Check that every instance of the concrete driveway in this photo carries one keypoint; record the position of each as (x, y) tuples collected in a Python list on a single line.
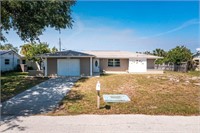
[(42, 98)]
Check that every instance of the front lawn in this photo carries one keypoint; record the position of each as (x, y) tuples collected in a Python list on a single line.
[(13, 83), (168, 94)]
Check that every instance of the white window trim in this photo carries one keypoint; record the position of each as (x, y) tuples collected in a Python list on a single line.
[(113, 61)]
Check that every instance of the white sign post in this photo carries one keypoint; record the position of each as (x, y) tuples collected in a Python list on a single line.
[(98, 88)]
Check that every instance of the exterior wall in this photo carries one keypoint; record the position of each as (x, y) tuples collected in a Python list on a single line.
[(32, 64), (123, 65), (150, 63), (51, 67), (13, 57), (85, 66)]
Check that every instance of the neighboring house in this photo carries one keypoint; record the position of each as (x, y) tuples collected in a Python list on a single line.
[(29, 64), (9, 60), (196, 58), (87, 63)]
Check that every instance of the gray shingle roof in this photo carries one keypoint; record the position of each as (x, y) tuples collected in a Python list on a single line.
[(4, 51), (68, 53)]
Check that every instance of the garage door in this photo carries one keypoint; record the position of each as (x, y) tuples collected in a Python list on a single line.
[(68, 67)]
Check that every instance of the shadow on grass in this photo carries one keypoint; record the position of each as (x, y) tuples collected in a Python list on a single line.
[(14, 85), (11, 73), (108, 107), (104, 74), (72, 96), (81, 80)]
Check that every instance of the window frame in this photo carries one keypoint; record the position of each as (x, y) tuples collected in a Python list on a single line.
[(114, 63), (7, 61)]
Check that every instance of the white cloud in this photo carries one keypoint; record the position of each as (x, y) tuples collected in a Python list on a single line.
[(184, 25), (89, 35)]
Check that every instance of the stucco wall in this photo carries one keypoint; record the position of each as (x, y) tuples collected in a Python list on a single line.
[(85, 66), (51, 66), (123, 65), (12, 61), (150, 63)]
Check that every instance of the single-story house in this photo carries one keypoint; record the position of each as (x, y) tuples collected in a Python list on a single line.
[(87, 63), (9, 60), (33, 65)]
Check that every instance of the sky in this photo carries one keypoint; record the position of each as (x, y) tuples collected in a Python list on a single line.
[(127, 26)]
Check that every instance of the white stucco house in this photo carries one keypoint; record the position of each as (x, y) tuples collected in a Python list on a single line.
[(9, 60)]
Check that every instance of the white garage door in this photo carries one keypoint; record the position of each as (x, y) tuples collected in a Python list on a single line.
[(68, 67), (137, 65)]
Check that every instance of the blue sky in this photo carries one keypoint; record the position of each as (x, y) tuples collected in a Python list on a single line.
[(128, 26)]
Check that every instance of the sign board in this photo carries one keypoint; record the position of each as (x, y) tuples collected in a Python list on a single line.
[(98, 88), (116, 98)]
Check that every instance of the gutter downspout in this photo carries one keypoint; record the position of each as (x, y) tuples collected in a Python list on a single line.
[(45, 67), (90, 66)]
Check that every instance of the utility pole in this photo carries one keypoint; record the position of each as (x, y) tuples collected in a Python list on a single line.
[(59, 42)]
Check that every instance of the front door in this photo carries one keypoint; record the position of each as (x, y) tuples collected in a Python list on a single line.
[(96, 65)]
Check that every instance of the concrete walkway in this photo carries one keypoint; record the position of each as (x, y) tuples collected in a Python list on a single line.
[(101, 124), (39, 99)]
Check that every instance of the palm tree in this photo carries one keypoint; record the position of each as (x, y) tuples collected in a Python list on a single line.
[(159, 52)]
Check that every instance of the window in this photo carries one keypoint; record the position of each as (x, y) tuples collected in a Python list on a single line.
[(96, 63), (114, 62), (23, 61), (7, 61)]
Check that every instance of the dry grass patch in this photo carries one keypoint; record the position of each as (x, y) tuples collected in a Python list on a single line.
[(167, 94)]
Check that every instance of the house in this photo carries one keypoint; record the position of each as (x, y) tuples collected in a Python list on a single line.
[(9, 60), (196, 58), (87, 63), (30, 64)]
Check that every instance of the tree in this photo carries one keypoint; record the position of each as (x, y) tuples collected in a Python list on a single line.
[(31, 50), (54, 49), (179, 54), (30, 18), (147, 52), (8, 46), (161, 53)]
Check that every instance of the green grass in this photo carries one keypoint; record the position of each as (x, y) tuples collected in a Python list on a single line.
[(194, 73), (149, 94), (13, 83)]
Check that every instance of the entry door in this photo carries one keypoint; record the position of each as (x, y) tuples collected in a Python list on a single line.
[(68, 67), (96, 65)]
